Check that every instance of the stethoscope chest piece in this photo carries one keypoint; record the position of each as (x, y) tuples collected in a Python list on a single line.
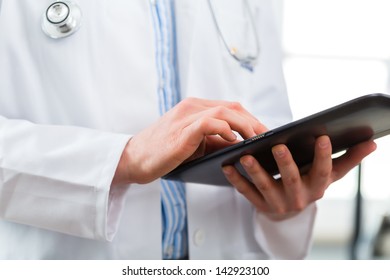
[(61, 19)]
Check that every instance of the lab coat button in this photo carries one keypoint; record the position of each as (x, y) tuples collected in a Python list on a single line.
[(168, 252), (199, 237)]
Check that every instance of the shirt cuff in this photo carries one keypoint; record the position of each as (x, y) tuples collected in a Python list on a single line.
[(287, 239)]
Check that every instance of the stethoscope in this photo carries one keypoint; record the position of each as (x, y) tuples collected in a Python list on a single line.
[(246, 60), (63, 18)]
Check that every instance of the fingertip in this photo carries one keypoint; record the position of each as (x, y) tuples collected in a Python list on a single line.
[(279, 151), (260, 128), (227, 170), (229, 136), (323, 142), (369, 146), (232, 137), (373, 145), (247, 161)]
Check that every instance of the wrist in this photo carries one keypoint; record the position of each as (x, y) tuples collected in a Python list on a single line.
[(121, 175)]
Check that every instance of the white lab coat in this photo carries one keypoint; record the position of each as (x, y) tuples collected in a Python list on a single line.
[(68, 107)]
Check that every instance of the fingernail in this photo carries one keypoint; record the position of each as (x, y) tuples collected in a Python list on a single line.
[(233, 136), (279, 151), (247, 162), (323, 144), (227, 170)]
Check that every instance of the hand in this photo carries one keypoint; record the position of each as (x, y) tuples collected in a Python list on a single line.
[(292, 192), (190, 129)]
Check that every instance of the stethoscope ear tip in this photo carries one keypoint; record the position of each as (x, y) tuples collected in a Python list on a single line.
[(61, 19)]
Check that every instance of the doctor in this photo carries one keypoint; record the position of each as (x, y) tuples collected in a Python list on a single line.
[(85, 137)]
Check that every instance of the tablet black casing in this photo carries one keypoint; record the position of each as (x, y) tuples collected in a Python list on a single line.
[(347, 124)]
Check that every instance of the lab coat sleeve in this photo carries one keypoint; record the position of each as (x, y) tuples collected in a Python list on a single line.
[(287, 239), (58, 178)]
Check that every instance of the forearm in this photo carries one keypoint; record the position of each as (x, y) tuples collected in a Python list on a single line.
[(56, 177)]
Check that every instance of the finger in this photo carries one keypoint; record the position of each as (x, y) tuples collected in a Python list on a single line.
[(190, 138), (320, 172), (198, 130), (193, 105), (245, 126), (211, 144), (207, 103), (257, 125), (351, 158), (264, 183), (289, 173), (244, 187), (214, 143)]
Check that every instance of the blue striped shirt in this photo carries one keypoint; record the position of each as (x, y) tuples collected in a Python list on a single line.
[(173, 201)]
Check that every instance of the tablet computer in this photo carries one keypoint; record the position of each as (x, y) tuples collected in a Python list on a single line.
[(347, 124)]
